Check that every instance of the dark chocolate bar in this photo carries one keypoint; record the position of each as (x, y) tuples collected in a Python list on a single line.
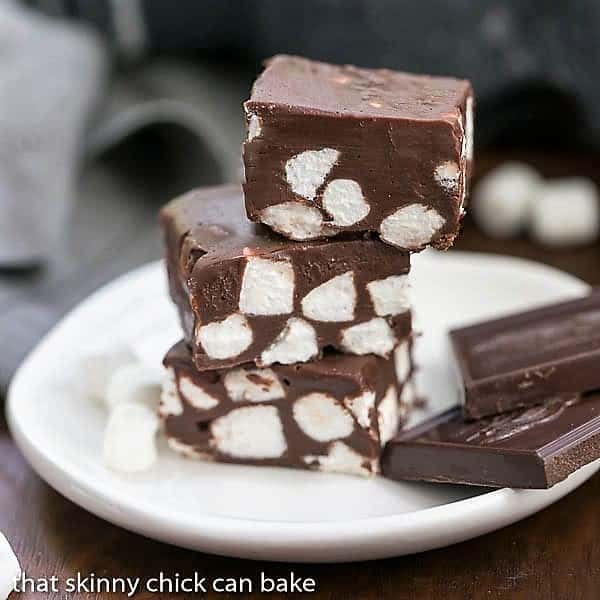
[(333, 149), (245, 294), (334, 414), (524, 358), (529, 448)]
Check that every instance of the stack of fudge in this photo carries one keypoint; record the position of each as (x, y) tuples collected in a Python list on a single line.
[(292, 292)]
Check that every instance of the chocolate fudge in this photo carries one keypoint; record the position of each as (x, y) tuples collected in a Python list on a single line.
[(522, 359), (534, 447), (335, 414), (245, 294), (332, 149)]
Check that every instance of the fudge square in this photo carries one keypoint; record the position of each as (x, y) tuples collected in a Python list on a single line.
[(335, 414), (245, 294), (337, 148)]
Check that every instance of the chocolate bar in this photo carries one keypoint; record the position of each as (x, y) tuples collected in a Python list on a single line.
[(245, 294), (335, 414), (534, 447), (524, 358), (334, 149)]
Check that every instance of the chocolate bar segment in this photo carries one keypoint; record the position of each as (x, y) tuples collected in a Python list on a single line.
[(529, 448), (245, 294), (524, 358), (334, 149), (335, 414)]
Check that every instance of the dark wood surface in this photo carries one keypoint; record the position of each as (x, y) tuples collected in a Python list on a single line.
[(554, 554)]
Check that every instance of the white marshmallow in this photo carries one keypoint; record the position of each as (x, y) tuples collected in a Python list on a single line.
[(343, 459), (566, 212), (372, 337), (361, 407), (469, 128), (390, 295), (296, 343), (187, 450), (134, 383), (307, 171), (388, 416), (267, 287), (250, 432), (226, 338), (253, 385), (10, 570), (334, 300), (503, 199), (95, 370), (402, 361), (411, 227), (344, 201), (254, 127), (322, 418), (130, 438), (170, 402), (294, 220), (195, 395), (447, 175)]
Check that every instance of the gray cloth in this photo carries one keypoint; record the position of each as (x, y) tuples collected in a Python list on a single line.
[(162, 129)]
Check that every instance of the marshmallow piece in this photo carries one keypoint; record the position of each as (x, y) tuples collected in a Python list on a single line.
[(402, 362), (343, 459), (226, 338), (566, 212), (447, 175), (130, 438), (469, 128), (134, 382), (170, 402), (195, 396), (296, 343), (253, 385), (361, 407), (307, 171), (322, 418), (95, 370), (10, 570), (294, 220), (267, 287), (388, 417), (390, 295), (411, 227), (254, 127), (334, 300), (344, 201), (372, 337), (503, 199), (250, 432)]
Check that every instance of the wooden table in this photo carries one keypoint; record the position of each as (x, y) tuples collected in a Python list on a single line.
[(554, 554)]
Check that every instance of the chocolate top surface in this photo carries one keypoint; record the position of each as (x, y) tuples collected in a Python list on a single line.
[(313, 87)]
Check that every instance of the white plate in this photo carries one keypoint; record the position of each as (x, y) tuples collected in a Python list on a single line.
[(273, 514)]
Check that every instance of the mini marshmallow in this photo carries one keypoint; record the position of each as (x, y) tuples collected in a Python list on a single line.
[(334, 300), (10, 570), (322, 418), (566, 212), (390, 295), (361, 407), (267, 287), (294, 220), (253, 385), (447, 175), (469, 128), (95, 370), (503, 199), (130, 438), (196, 396), (226, 338), (170, 402), (344, 201), (372, 337), (296, 343), (134, 382), (307, 171), (250, 432), (254, 127), (388, 417), (402, 361), (342, 459), (411, 227)]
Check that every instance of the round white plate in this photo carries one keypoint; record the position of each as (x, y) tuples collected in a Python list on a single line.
[(268, 513)]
